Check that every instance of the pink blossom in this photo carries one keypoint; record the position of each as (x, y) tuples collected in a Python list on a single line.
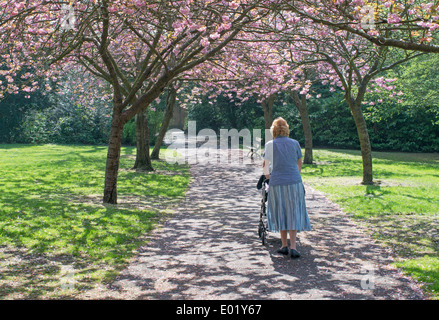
[(309, 10), (227, 26), (434, 26), (373, 32), (194, 27), (215, 36), (19, 6), (234, 5), (424, 24), (204, 42), (393, 18), (293, 20), (177, 25), (185, 11)]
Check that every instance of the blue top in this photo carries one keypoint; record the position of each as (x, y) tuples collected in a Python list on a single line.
[(283, 154)]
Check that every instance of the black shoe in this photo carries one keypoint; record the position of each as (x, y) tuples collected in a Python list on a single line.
[(283, 250), (294, 254)]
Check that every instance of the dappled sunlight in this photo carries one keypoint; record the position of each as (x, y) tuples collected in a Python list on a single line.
[(210, 249), (52, 218)]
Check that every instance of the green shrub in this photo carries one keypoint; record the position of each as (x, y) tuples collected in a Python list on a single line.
[(79, 125), (36, 128)]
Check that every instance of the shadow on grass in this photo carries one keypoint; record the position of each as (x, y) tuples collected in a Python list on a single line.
[(405, 168), (46, 234), (52, 216), (46, 225), (409, 235), (330, 169), (415, 241)]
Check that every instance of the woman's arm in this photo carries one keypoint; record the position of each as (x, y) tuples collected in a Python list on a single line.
[(265, 166), (299, 164)]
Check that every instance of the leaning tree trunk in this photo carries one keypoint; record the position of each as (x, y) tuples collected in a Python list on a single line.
[(143, 160), (170, 103), (113, 157), (267, 106), (363, 135), (306, 124)]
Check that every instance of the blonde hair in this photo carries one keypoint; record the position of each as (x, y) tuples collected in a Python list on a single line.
[(280, 128)]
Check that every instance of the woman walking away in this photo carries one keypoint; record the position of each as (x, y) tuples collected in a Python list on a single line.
[(286, 208)]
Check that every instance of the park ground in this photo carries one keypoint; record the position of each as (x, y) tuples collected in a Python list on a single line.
[(59, 241)]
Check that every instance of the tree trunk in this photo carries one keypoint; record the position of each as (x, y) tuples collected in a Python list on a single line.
[(119, 119), (143, 160), (267, 106), (113, 157), (170, 103), (363, 135), (306, 124)]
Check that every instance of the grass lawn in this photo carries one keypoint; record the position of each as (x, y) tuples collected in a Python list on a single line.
[(56, 236), (401, 210)]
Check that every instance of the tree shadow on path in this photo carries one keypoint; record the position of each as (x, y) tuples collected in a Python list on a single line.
[(210, 250)]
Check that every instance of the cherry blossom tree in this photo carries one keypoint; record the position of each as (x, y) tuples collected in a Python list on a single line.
[(261, 67), (254, 70), (339, 58), (136, 47), (405, 24), (171, 99), (347, 61)]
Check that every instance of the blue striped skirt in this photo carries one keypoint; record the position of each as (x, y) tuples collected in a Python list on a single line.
[(286, 208)]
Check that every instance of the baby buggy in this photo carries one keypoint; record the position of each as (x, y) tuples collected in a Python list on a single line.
[(262, 229)]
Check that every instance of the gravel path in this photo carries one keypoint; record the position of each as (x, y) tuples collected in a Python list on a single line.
[(209, 249)]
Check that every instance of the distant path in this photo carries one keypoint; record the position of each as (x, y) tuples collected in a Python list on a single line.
[(209, 249)]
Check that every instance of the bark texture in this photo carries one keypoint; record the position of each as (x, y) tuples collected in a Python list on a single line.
[(306, 124), (143, 160), (172, 97)]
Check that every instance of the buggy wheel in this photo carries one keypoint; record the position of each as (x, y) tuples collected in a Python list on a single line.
[(263, 237)]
